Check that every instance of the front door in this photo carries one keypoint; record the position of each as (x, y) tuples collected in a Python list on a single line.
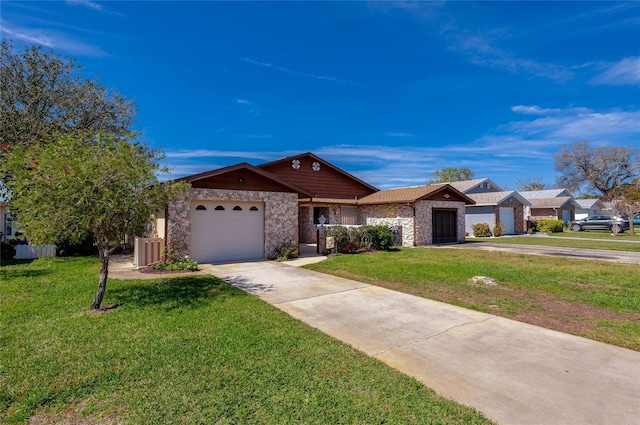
[(445, 226)]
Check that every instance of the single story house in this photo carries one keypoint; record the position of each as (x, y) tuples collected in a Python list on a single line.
[(557, 204), (589, 207), (246, 212), (492, 206)]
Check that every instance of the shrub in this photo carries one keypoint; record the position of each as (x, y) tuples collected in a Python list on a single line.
[(173, 260), (550, 226), (481, 230), (349, 240), (286, 251), (185, 264), (498, 230)]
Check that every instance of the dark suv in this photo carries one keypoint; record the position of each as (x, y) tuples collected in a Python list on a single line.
[(600, 222)]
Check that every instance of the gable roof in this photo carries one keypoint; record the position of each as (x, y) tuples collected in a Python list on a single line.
[(465, 186), (288, 159), (591, 203), (547, 193), (558, 202), (494, 198), (411, 194), (244, 166)]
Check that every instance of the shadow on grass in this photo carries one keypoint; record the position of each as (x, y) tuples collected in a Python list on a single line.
[(8, 272), (173, 293)]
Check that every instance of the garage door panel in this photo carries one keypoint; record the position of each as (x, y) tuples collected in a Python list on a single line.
[(227, 231), (507, 219)]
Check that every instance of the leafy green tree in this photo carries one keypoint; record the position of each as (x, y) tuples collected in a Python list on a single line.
[(604, 169), (451, 174), (86, 183), (41, 96)]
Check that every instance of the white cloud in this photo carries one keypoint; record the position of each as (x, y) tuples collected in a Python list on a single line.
[(480, 49), (51, 39), (624, 72), (400, 135), (87, 3), (298, 73)]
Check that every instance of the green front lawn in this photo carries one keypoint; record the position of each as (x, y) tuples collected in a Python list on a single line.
[(190, 349), (596, 299)]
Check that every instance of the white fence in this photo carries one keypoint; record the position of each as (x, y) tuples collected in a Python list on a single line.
[(28, 252), (147, 251)]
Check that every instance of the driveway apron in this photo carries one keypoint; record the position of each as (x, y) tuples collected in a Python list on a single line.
[(513, 372)]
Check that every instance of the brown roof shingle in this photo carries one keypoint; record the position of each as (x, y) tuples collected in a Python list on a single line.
[(400, 195)]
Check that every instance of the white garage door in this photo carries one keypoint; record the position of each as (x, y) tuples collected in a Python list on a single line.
[(507, 219), (478, 215), (226, 231)]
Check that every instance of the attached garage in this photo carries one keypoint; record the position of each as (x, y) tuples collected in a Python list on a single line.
[(507, 219), (227, 231)]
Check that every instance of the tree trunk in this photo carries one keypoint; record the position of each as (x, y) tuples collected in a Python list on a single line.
[(102, 283)]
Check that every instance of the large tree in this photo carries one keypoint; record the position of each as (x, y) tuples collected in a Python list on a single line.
[(42, 95), (451, 174), (604, 168), (85, 183)]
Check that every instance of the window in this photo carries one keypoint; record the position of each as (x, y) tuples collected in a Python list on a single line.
[(253, 209), (237, 208), (219, 208), (201, 208), (348, 215)]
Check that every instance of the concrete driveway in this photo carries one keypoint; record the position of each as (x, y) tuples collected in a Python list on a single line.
[(513, 372)]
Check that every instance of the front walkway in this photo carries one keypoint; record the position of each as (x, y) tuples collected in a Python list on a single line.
[(513, 372)]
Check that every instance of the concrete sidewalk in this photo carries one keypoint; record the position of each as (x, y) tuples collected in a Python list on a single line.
[(513, 372)]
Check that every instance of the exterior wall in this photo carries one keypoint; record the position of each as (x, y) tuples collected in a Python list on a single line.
[(518, 214), (390, 215), (305, 224), (280, 216), (424, 220), (550, 213)]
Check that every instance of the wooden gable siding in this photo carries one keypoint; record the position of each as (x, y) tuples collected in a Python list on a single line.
[(439, 196), (240, 180), (325, 183)]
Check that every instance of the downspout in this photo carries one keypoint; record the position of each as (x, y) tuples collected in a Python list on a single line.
[(556, 210)]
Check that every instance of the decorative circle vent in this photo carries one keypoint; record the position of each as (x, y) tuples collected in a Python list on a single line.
[(295, 164), (315, 166)]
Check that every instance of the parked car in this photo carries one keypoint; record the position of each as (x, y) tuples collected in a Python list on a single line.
[(636, 219), (600, 222)]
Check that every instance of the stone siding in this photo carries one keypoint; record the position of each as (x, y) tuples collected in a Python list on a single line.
[(390, 215), (424, 220), (280, 216)]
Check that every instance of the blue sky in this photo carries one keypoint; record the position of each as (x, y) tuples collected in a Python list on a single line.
[(389, 91)]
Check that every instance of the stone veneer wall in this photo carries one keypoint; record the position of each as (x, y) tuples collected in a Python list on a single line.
[(280, 216), (424, 220), (389, 215)]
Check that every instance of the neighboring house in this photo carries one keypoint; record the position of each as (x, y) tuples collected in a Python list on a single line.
[(589, 207), (427, 215), (492, 206), (246, 212), (7, 228), (556, 204)]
